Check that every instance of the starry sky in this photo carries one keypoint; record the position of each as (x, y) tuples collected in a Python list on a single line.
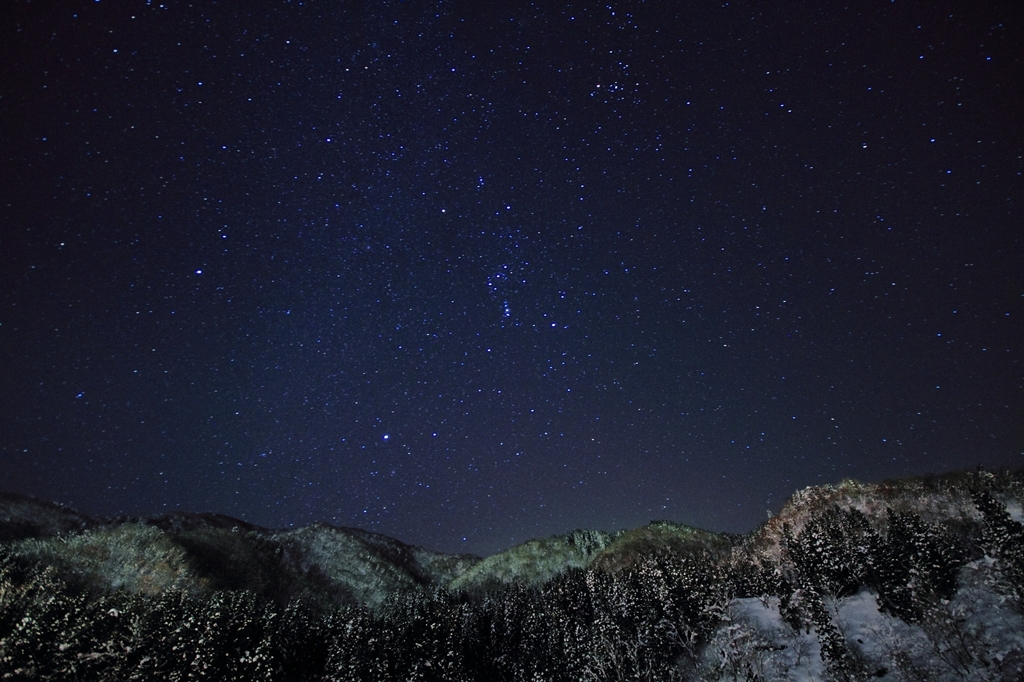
[(467, 273)]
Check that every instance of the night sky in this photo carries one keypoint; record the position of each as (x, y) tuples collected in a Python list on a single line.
[(471, 273)]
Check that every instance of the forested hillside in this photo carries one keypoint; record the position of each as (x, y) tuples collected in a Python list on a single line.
[(914, 579)]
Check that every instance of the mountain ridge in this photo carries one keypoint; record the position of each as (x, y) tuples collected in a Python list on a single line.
[(203, 552), (906, 579)]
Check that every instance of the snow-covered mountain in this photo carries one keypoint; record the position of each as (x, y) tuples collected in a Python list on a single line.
[(913, 579)]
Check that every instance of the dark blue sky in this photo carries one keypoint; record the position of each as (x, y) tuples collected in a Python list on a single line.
[(470, 273)]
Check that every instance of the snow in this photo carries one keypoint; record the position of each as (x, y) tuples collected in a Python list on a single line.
[(977, 635), (756, 643), (1015, 510)]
